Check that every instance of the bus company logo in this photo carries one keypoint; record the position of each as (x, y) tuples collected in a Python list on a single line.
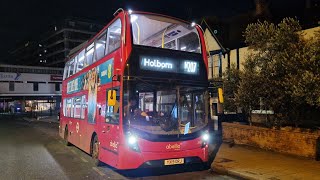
[(114, 144), (173, 146), (156, 63)]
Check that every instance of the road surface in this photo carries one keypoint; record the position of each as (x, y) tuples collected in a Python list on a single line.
[(33, 150)]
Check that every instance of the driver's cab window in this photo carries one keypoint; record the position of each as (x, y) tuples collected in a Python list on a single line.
[(146, 101), (166, 101), (112, 112), (186, 108), (199, 109)]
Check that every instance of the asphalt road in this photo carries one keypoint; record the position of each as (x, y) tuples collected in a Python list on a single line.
[(33, 150)]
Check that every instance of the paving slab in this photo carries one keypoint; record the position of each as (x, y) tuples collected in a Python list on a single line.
[(253, 163)]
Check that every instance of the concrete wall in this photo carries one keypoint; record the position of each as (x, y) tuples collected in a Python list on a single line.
[(289, 141)]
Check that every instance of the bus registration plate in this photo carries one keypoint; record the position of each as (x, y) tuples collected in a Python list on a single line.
[(173, 161)]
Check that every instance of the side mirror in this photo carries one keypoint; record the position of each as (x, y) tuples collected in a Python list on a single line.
[(116, 78), (111, 97)]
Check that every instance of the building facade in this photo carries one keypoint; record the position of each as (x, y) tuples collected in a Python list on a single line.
[(220, 60), (52, 48), (30, 88)]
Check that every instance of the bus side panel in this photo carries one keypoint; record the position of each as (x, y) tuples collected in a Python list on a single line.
[(110, 145), (71, 129), (86, 140), (81, 132), (107, 132)]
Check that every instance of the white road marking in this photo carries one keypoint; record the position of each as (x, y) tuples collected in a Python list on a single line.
[(83, 159), (98, 171), (74, 152)]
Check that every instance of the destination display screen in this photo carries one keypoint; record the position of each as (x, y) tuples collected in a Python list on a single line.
[(163, 64)]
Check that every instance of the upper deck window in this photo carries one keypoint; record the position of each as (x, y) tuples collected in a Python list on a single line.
[(114, 36), (107, 42), (162, 32)]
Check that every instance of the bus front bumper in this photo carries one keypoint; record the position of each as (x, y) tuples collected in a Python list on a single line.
[(133, 160)]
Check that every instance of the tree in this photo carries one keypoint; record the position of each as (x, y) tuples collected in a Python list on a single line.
[(283, 71), (231, 79)]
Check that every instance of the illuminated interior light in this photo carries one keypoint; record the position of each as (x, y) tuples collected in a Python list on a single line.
[(130, 11), (118, 31), (193, 24), (90, 51), (183, 48), (82, 57), (98, 46), (133, 18)]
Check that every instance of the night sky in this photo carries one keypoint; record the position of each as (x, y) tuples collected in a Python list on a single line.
[(23, 20)]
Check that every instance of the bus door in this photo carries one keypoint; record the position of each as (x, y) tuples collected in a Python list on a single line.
[(81, 125), (77, 121), (110, 126), (71, 125)]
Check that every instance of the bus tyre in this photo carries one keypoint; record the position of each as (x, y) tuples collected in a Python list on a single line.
[(65, 137), (95, 151)]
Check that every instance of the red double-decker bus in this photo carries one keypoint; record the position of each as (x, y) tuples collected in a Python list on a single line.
[(136, 94)]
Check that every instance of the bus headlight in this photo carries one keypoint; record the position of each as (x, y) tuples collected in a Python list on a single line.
[(205, 139), (133, 143), (132, 140)]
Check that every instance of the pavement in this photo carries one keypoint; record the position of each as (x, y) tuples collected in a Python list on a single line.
[(253, 163)]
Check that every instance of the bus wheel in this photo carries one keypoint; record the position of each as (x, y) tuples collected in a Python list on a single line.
[(95, 151), (65, 137)]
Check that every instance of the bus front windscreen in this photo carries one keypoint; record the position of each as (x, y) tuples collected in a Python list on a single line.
[(163, 32), (165, 111)]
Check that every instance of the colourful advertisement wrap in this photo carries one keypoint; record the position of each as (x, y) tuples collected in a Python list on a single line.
[(104, 71), (75, 85), (90, 81)]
